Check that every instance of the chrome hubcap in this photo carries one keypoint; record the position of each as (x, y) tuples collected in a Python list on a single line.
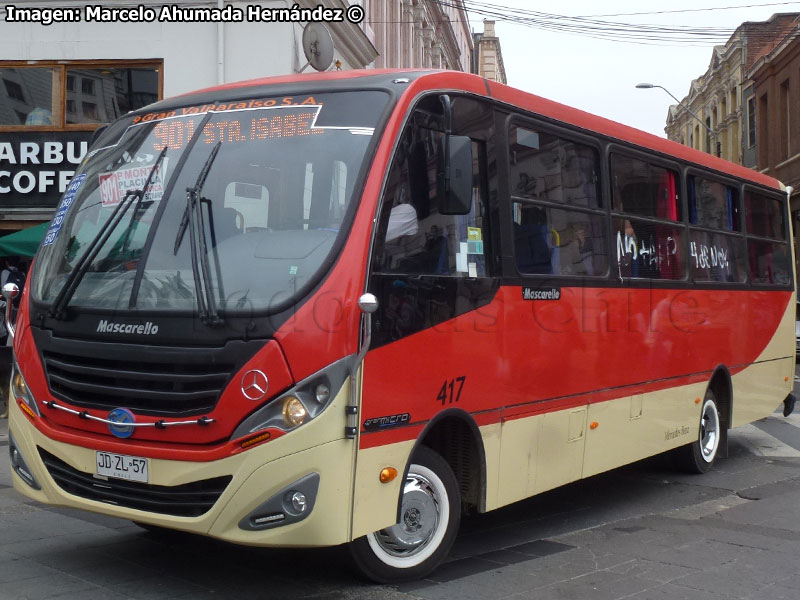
[(709, 431), (419, 518)]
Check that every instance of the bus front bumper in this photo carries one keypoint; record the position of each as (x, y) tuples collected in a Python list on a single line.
[(280, 493)]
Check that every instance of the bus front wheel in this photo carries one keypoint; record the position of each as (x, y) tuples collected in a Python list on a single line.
[(698, 457), (429, 517)]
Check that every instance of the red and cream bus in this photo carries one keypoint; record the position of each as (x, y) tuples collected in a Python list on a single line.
[(342, 308)]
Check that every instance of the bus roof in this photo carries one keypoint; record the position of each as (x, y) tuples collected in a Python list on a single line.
[(421, 79)]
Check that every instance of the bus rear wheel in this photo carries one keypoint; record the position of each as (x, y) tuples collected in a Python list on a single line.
[(429, 520), (699, 456)]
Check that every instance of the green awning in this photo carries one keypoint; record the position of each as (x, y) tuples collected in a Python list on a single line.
[(23, 243)]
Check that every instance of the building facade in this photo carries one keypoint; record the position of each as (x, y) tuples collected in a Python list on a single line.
[(60, 81), (420, 34), (721, 99), (775, 76), (488, 55)]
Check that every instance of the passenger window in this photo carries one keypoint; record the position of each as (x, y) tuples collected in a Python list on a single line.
[(713, 204), (558, 226), (549, 168), (764, 216), (649, 250), (560, 242), (643, 189), (717, 257)]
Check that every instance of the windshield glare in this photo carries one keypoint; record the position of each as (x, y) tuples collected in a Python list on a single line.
[(271, 205)]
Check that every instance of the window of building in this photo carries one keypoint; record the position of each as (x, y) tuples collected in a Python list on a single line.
[(751, 122), (784, 122), (79, 93), (26, 96), (763, 129), (559, 228), (113, 91)]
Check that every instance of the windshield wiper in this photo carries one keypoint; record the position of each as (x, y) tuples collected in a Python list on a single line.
[(106, 229), (140, 200), (193, 221)]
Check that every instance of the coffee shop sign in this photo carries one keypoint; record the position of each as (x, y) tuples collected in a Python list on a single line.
[(40, 167)]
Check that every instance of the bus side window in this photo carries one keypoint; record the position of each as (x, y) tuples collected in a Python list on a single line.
[(648, 235), (558, 222)]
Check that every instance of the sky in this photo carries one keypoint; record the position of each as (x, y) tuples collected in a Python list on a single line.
[(599, 75)]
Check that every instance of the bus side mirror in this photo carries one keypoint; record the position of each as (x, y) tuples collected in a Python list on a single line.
[(454, 175)]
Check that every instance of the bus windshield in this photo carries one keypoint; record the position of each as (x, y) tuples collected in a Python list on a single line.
[(231, 205)]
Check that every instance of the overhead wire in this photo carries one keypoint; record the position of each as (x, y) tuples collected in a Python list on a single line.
[(601, 28)]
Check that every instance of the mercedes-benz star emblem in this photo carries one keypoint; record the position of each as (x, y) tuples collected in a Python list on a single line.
[(255, 385)]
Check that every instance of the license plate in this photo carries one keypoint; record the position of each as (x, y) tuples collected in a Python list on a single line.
[(121, 466)]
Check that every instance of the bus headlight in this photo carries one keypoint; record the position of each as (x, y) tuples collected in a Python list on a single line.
[(298, 405), (294, 413), (20, 390)]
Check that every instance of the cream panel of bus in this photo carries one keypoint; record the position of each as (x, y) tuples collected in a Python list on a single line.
[(760, 388), (258, 473), (635, 427), (375, 503), (540, 453)]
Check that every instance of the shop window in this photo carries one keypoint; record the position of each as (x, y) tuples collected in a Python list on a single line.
[(26, 96), (113, 91), (73, 94)]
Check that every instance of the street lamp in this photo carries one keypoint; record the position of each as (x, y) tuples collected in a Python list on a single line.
[(647, 86)]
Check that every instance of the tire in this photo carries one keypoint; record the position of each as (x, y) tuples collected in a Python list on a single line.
[(430, 515), (698, 457)]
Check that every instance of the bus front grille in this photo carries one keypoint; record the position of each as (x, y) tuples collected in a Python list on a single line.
[(165, 381), (187, 500), (159, 388)]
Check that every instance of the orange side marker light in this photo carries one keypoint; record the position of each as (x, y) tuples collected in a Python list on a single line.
[(388, 474), (26, 409), (594, 425), (786, 379), (255, 440), (697, 400)]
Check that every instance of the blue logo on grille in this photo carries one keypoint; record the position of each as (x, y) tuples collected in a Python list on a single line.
[(121, 417)]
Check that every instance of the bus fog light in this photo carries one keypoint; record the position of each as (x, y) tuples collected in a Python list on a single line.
[(299, 503), (19, 465), (294, 413), (322, 393)]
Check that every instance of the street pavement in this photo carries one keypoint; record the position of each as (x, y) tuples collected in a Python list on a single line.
[(642, 532)]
